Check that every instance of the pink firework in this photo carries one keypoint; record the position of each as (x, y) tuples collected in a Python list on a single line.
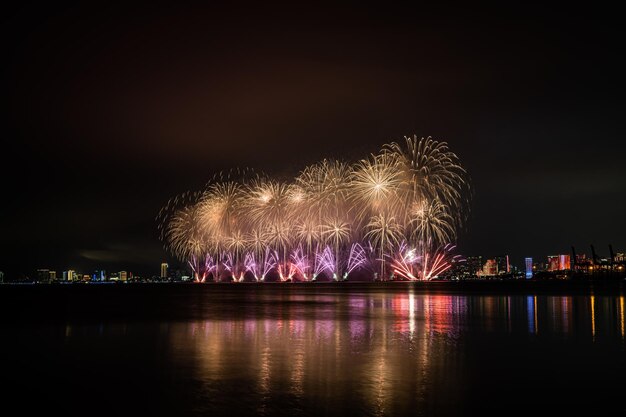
[(202, 266), (356, 259), (300, 262)]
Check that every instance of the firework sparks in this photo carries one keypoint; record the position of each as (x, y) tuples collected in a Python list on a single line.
[(412, 266), (356, 259), (300, 262), (415, 193), (384, 232)]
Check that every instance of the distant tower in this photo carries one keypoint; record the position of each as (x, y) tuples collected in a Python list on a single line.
[(164, 267), (529, 267)]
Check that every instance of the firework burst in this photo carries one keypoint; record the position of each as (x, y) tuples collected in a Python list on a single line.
[(403, 205)]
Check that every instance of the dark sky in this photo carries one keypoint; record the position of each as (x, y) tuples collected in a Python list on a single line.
[(110, 110)]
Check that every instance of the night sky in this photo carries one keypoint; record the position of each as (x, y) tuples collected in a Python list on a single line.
[(111, 110)]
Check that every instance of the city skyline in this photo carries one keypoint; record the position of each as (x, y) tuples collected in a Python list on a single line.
[(473, 267)]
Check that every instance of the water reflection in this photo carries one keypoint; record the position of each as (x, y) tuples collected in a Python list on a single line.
[(325, 353), (593, 317), (621, 315), (371, 353)]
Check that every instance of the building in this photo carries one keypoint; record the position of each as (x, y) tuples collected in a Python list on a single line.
[(164, 267), (565, 262), (559, 263), (490, 268), (458, 269), (473, 265), (69, 275), (53, 275), (528, 263), (123, 276), (502, 265), (99, 275), (43, 275), (581, 262)]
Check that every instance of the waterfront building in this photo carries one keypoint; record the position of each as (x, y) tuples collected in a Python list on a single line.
[(473, 265), (502, 265), (490, 268), (528, 263), (559, 263), (164, 267), (99, 275)]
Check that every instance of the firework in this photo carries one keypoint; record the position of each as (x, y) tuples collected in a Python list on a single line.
[(337, 232), (300, 262), (383, 233), (403, 204), (409, 264), (356, 259), (375, 187), (201, 267)]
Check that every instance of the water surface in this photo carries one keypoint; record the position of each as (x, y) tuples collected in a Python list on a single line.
[(289, 350)]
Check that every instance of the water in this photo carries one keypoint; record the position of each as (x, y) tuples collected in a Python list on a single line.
[(313, 351)]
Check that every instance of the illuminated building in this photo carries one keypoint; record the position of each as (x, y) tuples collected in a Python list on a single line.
[(490, 268), (123, 276), (71, 275), (466, 268), (164, 267), (502, 265), (474, 265), (99, 275), (553, 263), (559, 262), (53, 275), (528, 262)]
